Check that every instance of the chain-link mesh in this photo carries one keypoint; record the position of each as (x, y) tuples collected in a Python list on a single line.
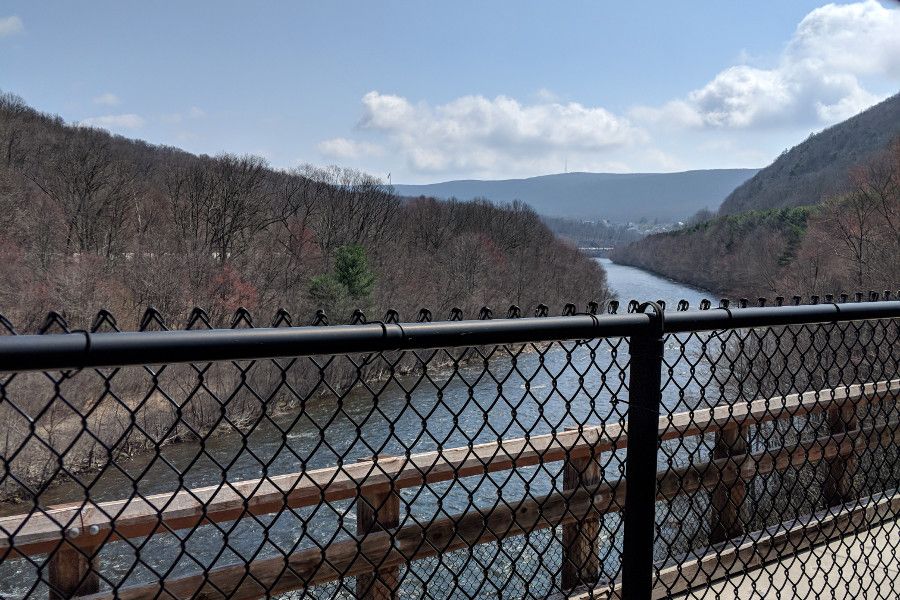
[(477, 470), (794, 463)]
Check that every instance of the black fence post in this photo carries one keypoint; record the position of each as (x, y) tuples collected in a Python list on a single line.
[(644, 393)]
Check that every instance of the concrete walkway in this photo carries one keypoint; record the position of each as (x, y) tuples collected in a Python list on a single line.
[(865, 566)]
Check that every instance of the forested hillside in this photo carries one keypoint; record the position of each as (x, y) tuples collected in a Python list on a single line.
[(818, 168), (93, 220), (851, 242)]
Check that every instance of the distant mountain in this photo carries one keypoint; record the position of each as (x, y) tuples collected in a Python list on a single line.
[(817, 168), (666, 197)]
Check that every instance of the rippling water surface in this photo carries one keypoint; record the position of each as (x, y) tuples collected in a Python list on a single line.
[(534, 390)]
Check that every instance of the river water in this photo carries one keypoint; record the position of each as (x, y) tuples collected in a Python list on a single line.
[(632, 283), (531, 390)]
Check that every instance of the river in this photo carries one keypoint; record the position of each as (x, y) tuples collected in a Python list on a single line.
[(530, 390), (633, 283)]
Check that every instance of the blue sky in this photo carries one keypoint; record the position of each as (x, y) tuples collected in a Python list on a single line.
[(430, 91)]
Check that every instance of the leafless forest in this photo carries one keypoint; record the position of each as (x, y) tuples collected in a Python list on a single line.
[(93, 220), (97, 221)]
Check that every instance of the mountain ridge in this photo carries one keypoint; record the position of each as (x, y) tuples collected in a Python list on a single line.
[(821, 217), (818, 167), (620, 197)]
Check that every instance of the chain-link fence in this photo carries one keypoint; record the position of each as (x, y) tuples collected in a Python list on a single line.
[(458, 459)]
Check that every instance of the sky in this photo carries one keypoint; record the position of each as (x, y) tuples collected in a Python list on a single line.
[(428, 91)]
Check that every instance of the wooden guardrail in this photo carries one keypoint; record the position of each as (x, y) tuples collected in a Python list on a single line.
[(74, 532)]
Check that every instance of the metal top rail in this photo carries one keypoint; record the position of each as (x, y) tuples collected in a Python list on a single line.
[(82, 349)]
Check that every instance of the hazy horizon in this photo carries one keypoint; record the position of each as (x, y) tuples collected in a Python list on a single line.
[(539, 175)]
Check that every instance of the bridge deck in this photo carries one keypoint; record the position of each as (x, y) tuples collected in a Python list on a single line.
[(840, 569)]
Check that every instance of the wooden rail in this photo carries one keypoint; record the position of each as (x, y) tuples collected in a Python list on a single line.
[(160, 513), (406, 544), (88, 526)]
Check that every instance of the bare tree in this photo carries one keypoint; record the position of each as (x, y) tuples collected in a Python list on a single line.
[(239, 199), (90, 186), (356, 207)]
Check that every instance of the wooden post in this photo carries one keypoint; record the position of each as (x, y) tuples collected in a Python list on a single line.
[(580, 561), (377, 509), (73, 572), (838, 487), (727, 499)]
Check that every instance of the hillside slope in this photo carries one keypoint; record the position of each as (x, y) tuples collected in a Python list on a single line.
[(99, 221), (630, 197), (818, 167), (849, 243)]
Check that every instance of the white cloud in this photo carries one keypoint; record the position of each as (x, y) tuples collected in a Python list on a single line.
[(861, 38), (193, 112), (545, 95), (839, 60), (113, 122), (486, 135), (663, 160), (818, 79), (346, 149), (186, 136), (11, 25), (107, 99)]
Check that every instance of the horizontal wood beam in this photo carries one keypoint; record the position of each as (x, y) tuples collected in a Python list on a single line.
[(347, 558), (41, 530)]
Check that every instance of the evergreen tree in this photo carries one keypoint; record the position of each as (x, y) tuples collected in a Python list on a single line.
[(351, 268), (348, 287)]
